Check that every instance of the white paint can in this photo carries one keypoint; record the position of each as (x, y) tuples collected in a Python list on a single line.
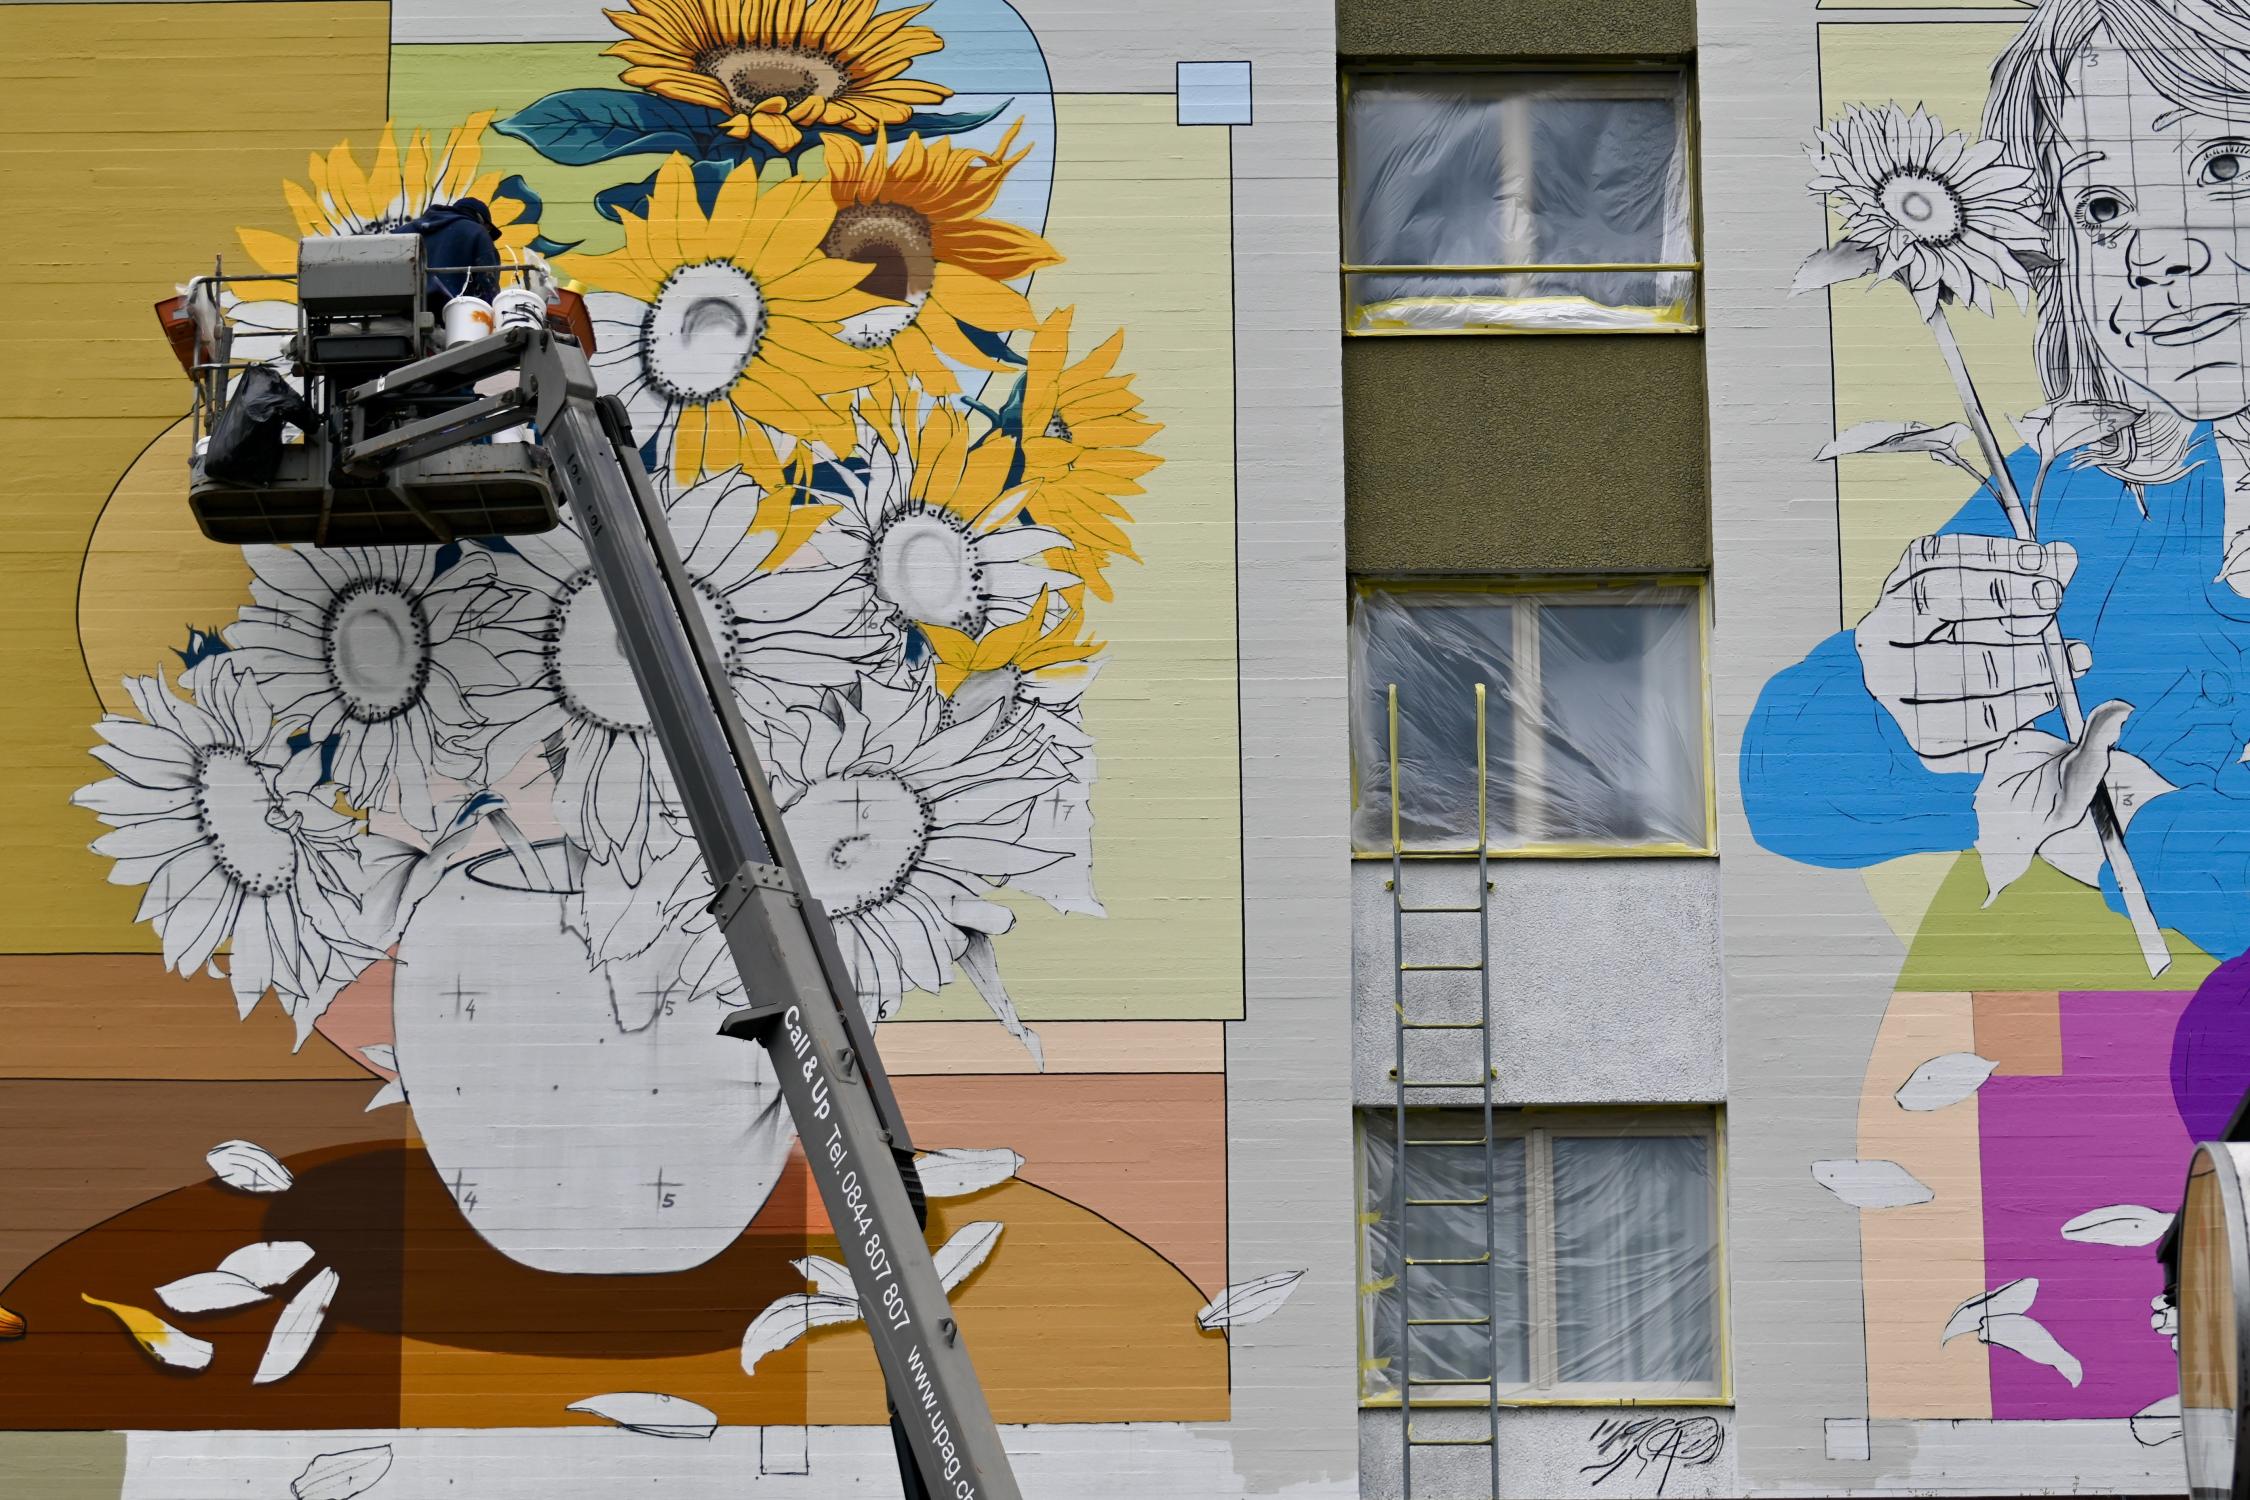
[(467, 319), (517, 307)]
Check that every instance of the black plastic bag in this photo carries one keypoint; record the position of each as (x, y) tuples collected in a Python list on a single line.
[(246, 440)]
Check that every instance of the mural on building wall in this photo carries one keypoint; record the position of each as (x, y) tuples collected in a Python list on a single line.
[(2031, 735), (390, 1095)]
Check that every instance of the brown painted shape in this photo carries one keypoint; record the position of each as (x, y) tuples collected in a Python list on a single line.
[(2021, 1030), (1148, 1152), (124, 1015), (78, 1368), (72, 1154), (432, 1328)]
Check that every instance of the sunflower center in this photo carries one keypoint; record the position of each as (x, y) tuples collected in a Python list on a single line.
[(240, 815), (926, 569), (980, 690), (1923, 207), (703, 330), (752, 75), (858, 838), (890, 238), (876, 327), (377, 642), (587, 666)]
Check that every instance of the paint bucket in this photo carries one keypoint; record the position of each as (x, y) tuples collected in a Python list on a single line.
[(516, 307), (467, 319)]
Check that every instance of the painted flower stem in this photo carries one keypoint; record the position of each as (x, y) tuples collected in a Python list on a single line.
[(2020, 520)]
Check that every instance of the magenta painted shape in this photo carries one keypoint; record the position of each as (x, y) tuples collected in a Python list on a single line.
[(2104, 1132)]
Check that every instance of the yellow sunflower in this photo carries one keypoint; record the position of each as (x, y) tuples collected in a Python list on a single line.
[(718, 331), (777, 66), (1082, 435), (1022, 649), (345, 198), (918, 219)]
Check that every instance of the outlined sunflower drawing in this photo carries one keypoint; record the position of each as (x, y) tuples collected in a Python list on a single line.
[(1946, 217), (237, 838)]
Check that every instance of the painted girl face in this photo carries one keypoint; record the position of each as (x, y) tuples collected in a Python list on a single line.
[(2157, 201)]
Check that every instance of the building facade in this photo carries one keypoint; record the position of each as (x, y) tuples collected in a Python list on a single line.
[(1451, 671)]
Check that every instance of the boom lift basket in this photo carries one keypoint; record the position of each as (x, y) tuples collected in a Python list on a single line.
[(360, 313)]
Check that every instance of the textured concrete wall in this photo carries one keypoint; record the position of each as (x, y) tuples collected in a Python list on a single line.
[(1678, 1451), (1605, 981), (1577, 453), (1515, 29)]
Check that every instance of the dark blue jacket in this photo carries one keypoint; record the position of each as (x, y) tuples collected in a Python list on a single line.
[(455, 235)]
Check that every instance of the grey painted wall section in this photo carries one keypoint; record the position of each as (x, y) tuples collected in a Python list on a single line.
[(1555, 1451), (1796, 1031), (1579, 453), (1605, 981), (1520, 28)]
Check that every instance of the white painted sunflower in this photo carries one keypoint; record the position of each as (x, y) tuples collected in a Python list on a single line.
[(937, 532), (237, 839), (1946, 217), (375, 647), (904, 826), (787, 626)]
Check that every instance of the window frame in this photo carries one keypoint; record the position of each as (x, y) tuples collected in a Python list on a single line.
[(1536, 1125), (1692, 134), (1527, 636)]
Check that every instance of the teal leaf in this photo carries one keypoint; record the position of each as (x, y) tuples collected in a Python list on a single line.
[(991, 345), (581, 127), (518, 190)]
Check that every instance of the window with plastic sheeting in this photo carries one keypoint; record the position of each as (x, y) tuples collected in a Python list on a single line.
[(1592, 713), (1602, 1280), (1519, 202)]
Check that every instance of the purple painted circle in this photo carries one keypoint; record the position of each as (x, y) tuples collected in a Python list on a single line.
[(2211, 1051)]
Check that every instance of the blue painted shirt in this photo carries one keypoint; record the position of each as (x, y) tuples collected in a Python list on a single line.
[(1828, 778)]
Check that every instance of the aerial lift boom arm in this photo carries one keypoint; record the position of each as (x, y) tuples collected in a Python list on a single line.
[(803, 1006)]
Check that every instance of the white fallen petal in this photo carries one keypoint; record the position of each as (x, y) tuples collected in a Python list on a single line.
[(248, 1167), (652, 1413), (958, 1170), (1251, 1301), (268, 1263), (2010, 1297), (2157, 1423), (2119, 1224), (2030, 1339), (829, 1278), (1871, 1184), (1944, 1080), (389, 1094), (210, 1291), (383, 1055), (965, 1251), (340, 1476), (163, 1342), (298, 1326), (790, 1319)]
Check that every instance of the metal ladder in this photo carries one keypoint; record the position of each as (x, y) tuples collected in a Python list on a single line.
[(1403, 1022)]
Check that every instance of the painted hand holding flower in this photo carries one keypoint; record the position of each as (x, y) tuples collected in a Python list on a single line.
[(1964, 650)]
